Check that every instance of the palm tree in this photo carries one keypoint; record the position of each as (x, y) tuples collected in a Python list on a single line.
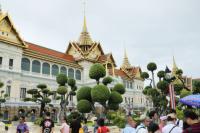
[(152, 67)]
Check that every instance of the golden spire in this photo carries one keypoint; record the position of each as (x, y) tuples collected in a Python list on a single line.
[(84, 25), (126, 63), (85, 39), (174, 67)]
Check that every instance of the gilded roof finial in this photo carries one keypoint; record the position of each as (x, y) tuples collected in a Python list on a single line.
[(84, 25), (85, 38), (174, 68), (126, 63)]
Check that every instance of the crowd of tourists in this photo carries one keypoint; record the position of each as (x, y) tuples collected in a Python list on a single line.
[(148, 124), (76, 126), (164, 124)]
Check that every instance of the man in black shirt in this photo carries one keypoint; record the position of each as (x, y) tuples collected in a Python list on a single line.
[(47, 124)]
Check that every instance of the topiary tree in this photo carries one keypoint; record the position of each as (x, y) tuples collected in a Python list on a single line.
[(84, 106), (145, 76), (159, 93), (107, 80), (161, 74), (152, 67), (100, 93), (196, 87), (97, 71), (163, 86), (41, 96), (62, 90), (119, 88), (2, 96)]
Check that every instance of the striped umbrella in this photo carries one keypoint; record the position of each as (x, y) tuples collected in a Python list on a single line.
[(192, 100)]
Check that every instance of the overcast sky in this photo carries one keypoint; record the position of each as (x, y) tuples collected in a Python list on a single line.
[(150, 30)]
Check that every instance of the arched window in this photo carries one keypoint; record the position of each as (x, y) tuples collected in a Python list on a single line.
[(127, 84), (36, 66), (71, 73), (54, 70), (131, 85), (78, 74), (46, 68), (25, 64), (63, 70)]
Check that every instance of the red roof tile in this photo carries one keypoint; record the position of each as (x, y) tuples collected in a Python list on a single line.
[(119, 73), (50, 52)]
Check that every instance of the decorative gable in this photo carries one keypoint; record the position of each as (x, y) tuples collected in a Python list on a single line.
[(8, 32)]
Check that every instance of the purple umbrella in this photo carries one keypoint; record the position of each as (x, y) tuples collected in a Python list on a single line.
[(192, 100)]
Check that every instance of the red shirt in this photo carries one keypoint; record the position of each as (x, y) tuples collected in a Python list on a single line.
[(195, 128), (103, 129)]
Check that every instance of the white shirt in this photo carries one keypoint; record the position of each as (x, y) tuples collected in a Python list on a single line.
[(169, 126), (179, 123), (141, 129), (128, 129)]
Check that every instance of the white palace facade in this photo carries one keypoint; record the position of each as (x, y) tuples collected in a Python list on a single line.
[(24, 65)]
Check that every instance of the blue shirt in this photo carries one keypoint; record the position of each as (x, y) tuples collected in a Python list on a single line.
[(129, 129)]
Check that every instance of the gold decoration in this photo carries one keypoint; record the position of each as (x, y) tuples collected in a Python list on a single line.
[(85, 39), (126, 63), (8, 32)]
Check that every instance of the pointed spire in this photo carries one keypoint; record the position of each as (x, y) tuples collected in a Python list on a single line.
[(174, 63), (126, 63), (84, 25), (174, 67), (85, 38)]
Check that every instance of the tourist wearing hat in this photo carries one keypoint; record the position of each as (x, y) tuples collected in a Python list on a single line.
[(142, 128), (171, 127), (163, 122), (178, 121), (130, 125)]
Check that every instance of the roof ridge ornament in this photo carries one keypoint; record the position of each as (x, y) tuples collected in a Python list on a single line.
[(126, 63), (85, 39)]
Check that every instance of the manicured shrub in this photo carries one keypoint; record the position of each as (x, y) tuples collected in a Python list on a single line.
[(84, 106), (119, 88), (84, 93), (100, 93)]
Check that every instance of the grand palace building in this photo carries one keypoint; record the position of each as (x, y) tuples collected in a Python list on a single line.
[(24, 65)]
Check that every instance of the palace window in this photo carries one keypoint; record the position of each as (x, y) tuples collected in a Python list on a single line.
[(63, 70), (127, 84), (1, 59), (10, 64), (25, 64), (131, 85), (71, 73), (78, 74), (46, 68), (36, 66), (8, 89), (54, 70), (23, 93)]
